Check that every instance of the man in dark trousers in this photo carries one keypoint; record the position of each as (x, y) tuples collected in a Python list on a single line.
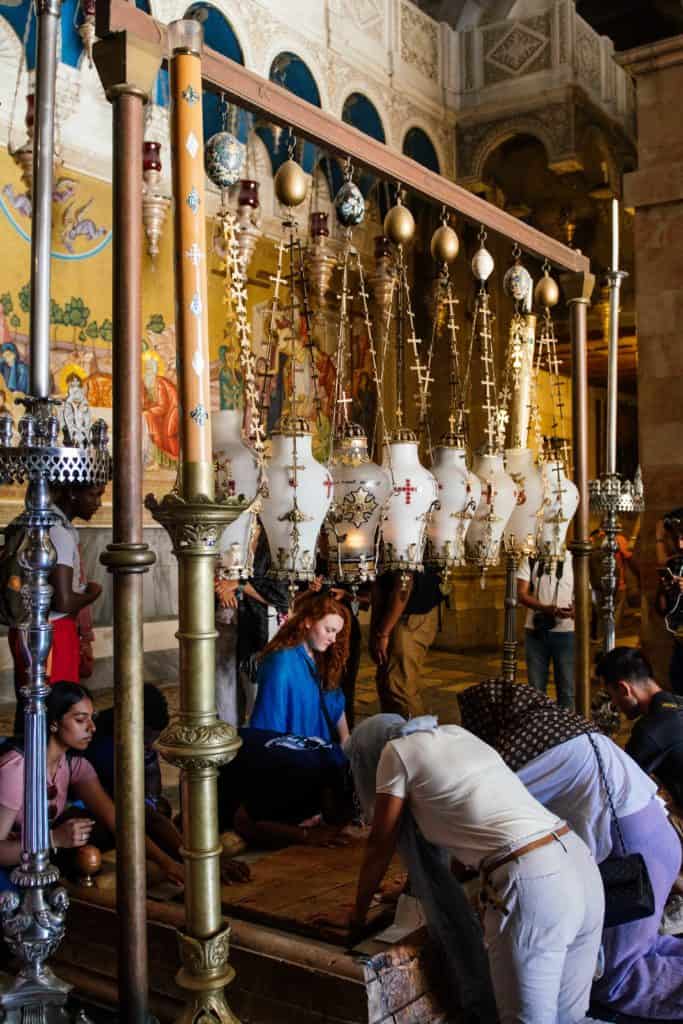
[(403, 626)]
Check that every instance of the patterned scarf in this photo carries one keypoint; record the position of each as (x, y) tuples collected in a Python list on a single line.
[(518, 721)]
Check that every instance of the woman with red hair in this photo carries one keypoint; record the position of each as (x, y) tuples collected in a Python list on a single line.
[(298, 680)]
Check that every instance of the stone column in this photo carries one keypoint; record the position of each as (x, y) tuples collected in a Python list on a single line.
[(655, 190)]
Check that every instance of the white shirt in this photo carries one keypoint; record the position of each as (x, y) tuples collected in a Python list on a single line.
[(64, 536), (461, 793), (566, 780), (550, 590)]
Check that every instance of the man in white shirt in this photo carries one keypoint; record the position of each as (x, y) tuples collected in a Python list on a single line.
[(543, 891), (547, 590)]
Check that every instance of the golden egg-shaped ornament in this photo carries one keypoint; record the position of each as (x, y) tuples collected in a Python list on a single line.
[(291, 183), (547, 292), (445, 244), (399, 224)]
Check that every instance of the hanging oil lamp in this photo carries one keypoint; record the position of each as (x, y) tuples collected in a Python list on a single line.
[(248, 220), (86, 29), (155, 204), (320, 262), (414, 490), (499, 494), (459, 488)]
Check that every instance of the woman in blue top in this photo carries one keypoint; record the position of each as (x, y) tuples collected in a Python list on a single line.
[(298, 680)]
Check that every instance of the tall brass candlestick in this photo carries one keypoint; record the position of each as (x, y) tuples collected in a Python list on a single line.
[(194, 740)]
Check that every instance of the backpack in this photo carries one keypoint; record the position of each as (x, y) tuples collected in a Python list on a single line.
[(15, 609)]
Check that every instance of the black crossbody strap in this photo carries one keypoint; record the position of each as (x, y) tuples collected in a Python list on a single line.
[(608, 791)]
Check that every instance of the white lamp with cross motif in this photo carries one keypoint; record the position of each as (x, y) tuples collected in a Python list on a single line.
[(498, 499), (459, 493), (562, 501), (414, 495), (299, 495), (361, 489), (236, 475)]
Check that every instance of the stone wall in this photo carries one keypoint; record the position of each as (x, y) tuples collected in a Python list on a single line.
[(656, 192)]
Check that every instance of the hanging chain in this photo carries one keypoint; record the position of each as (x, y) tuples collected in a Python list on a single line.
[(22, 61), (271, 349)]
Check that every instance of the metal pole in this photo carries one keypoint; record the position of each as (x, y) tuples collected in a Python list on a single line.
[(510, 635), (611, 485), (48, 13), (578, 289), (195, 741), (127, 558)]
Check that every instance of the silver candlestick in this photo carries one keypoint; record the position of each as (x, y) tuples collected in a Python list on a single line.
[(33, 915), (612, 494), (33, 918)]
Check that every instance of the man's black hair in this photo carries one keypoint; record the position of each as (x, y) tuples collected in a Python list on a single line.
[(624, 663)]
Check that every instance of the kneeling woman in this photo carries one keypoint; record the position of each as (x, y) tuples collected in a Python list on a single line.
[(567, 765), (298, 681), (71, 726), (428, 789)]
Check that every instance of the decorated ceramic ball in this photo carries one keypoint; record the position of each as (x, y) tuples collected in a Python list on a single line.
[(349, 205), (482, 263), (223, 159), (517, 282)]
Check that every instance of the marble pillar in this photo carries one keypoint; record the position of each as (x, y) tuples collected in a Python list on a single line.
[(655, 191)]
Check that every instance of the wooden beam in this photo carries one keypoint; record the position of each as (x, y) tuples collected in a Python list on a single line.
[(252, 92)]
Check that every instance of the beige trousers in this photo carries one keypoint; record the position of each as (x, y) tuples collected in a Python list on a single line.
[(398, 682)]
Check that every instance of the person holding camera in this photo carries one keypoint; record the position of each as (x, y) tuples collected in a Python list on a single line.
[(546, 589)]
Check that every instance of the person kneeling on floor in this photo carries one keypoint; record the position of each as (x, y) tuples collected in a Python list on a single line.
[(282, 790)]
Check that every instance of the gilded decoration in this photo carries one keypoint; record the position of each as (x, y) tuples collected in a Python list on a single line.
[(199, 747), (357, 507)]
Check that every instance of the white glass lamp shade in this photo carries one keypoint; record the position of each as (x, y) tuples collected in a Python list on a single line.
[(459, 494), (523, 527), (496, 505), (562, 501), (361, 489), (236, 477), (414, 492), (299, 495)]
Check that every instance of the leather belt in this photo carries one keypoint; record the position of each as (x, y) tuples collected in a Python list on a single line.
[(551, 837)]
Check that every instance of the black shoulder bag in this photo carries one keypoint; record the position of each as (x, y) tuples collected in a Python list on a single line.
[(628, 890)]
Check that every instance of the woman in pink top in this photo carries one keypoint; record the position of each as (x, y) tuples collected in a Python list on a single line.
[(71, 726)]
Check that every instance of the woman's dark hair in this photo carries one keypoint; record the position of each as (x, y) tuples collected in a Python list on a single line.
[(156, 708), (61, 699), (624, 663)]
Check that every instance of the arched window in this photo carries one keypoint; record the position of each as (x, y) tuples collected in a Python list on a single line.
[(220, 36), (292, 74), (418, 146), (360, 112)]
